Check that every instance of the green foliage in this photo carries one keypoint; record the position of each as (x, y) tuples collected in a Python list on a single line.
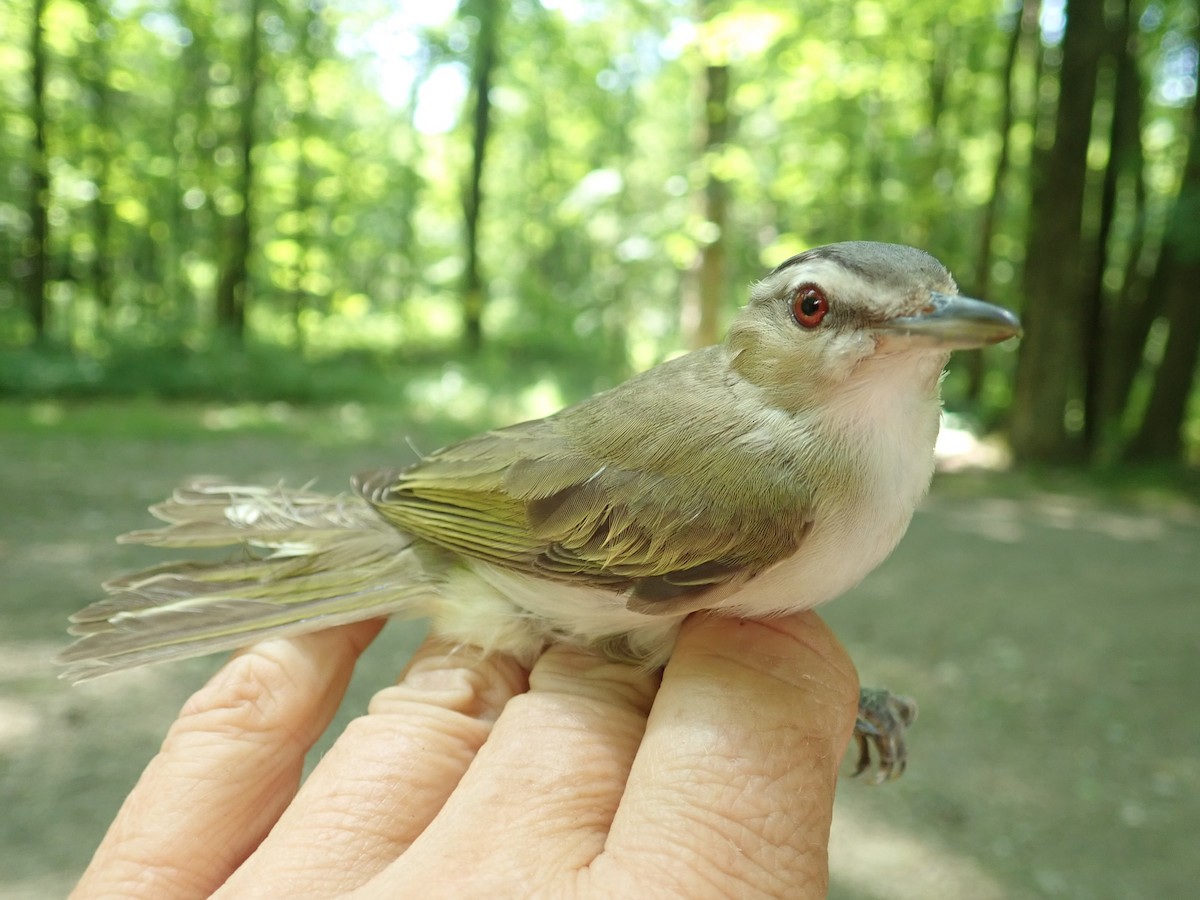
[(860, 119), (259, 372), (269, 385)]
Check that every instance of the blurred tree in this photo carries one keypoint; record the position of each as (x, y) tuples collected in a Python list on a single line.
[(488, 14), (586, 181), (1160, 435), (706, 291), (309, 28), (188, 211), (702, 317), (233, 287), (1124, 128), (36, 244), (1024, 30), (1120, 320), (1046, 417), (102, 147)]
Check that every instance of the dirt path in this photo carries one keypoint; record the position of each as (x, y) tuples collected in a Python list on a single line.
[(1053, 641)]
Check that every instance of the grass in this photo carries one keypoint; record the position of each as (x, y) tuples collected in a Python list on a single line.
[(258, 372), (1048, 625)]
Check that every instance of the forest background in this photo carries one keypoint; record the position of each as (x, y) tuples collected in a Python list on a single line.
[(294, 238), (194, 207)]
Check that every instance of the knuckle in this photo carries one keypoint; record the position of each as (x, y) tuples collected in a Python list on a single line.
[(248, 696)]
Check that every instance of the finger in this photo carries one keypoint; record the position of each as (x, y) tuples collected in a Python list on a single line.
[(734, 781), (229, 765), (386, 777), (539, 798)]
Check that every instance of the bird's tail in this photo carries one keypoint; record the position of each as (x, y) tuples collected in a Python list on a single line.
[(309, 561)]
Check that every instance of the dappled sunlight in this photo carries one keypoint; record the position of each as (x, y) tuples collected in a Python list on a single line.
[(455, 395), (41, 887), (23, 660), (36, 707), (350, 420), (59, 553), (959, 448), (995, 519), (38, 710), (19, 720), (1009, 520), (245, 415), (878, 860), (1068, 512)]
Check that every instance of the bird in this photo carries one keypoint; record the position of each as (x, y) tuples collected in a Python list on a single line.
[(756, 477)]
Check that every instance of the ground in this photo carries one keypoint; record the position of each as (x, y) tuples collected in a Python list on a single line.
[(1050, 628)]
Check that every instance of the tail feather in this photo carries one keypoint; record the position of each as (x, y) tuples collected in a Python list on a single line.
[(310, 561), (204, 511)]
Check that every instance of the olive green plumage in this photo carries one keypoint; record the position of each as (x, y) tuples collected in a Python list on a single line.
[(658, 486), (762, 475)]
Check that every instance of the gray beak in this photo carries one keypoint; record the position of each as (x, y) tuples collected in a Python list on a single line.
[(951, 322)]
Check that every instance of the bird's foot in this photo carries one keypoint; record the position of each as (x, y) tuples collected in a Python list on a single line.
[(883, 717)]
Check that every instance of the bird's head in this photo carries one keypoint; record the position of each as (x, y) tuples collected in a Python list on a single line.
[(821, 318)]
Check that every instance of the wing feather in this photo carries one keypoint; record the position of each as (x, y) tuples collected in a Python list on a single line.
[(622, 491)]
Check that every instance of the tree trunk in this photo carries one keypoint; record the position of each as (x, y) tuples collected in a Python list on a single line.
[(411, 185), (987, 224), (39, 182), (1160, 437), (1095, 319), (1136, 304), (190, 116), (101, 269), (1025, 24), (233, 287), (488, 12), (305, 211), (702, 305), (1050, 365)]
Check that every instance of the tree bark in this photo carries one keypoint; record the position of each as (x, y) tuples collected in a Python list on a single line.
[(185, 118), (488, 13), (1050, 365), (1026, 24), (1160, 436), (233, 287), (410, 184), (101, 269), (36, 265), (1136, 304), (991, 210), (702, 305), (304, 175), (1095, 318)]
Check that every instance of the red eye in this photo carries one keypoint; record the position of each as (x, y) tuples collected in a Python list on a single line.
[(809, 305)]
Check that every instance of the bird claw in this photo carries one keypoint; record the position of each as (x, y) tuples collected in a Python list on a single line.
[(883, 717)]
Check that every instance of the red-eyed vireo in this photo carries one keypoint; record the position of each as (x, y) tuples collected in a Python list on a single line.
[(763, 475)]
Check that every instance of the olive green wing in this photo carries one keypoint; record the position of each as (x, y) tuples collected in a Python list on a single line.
[(622, 513)]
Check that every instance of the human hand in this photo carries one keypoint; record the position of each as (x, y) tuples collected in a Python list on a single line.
[(472, 777)]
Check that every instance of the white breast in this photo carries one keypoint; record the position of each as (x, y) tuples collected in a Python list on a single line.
[(886, 421)]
